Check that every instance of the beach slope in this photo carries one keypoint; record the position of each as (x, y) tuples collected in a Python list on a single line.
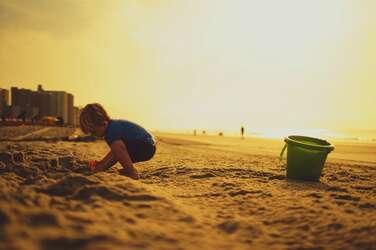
[(192, 194)]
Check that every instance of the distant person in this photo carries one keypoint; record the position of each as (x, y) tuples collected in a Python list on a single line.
[(129, 142), (194, 132), (242, 131)]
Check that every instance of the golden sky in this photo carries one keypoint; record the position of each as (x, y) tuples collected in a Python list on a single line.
[(210, 64)]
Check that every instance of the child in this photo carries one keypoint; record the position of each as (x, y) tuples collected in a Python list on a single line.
[(129, 142)]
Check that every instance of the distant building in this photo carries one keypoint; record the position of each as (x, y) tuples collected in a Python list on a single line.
[(59, 104), (4, 101), (14, 111), (43, 103), (70, 107), (52, 104), (21, 97), (76, 115), (22, 103)]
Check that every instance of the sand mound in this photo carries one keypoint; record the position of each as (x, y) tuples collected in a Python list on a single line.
[(52, 202)]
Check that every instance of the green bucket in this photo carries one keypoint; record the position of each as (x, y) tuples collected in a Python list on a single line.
[(306, 157)]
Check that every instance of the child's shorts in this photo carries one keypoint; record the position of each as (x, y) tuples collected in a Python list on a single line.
[(140, 150)]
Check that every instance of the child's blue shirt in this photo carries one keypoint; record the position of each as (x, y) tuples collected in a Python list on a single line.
[(126, 131)]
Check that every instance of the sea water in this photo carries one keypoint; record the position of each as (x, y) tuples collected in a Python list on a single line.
[(351, 135)]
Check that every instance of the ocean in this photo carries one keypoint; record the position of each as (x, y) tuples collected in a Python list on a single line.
[(351, 135)]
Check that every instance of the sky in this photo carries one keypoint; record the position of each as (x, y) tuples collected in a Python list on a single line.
[(210, 64)]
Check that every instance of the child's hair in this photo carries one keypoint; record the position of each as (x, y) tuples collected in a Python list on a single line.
[(92, 115)]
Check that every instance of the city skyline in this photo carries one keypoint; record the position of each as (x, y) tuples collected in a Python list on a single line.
[(36, 104)]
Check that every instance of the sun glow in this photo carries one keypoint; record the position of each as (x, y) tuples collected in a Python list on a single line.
[(202, 64)]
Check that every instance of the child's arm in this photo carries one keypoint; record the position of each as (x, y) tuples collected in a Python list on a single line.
[(108, 161)]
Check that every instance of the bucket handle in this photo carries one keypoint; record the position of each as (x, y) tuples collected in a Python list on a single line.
[(282, 152)]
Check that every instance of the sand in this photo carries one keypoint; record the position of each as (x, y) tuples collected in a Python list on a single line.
[(202, 192), (35, 133)]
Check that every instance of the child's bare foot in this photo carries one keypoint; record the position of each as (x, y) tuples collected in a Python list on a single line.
[(95, 166), (130, 172)]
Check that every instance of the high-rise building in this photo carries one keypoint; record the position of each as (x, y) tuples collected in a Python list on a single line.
[(4, 100), (44, 104), (76, 120), (62, 105), (14, 111), (22, 103), (70, 108), (21, 97), (52, 103)]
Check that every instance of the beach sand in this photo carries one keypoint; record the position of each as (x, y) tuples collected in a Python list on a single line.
[(198, 192)]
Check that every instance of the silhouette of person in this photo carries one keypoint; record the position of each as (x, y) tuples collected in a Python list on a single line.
[(242, 131)]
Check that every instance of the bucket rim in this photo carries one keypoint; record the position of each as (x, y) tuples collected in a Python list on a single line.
[(294, 139)]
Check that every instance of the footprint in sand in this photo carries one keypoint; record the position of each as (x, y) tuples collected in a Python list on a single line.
[(6, 158), (54, 163), (66, 161), (183, 170), (229, 227), (18, 157), (225, 186), (203, 176), (315, 195), (337, 189), (345, 197), (367, 205), (363, 188)]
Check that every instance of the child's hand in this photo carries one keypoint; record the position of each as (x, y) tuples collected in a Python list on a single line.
[(92, 165)]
